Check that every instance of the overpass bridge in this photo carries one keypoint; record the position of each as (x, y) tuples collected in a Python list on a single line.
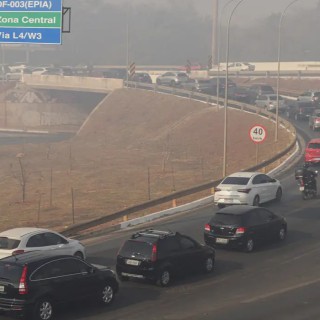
[(72, 83)]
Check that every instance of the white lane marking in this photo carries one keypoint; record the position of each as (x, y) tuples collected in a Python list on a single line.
[(281, 291)]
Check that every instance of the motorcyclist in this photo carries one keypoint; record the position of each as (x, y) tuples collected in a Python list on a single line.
[(309, 177)]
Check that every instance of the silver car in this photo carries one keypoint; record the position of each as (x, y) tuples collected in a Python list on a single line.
[(269, 102), (312, 96), (172, 78)]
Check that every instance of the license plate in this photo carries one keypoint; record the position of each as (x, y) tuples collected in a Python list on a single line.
[(221, 240), (132, 262), (301, 188), (1, 288)]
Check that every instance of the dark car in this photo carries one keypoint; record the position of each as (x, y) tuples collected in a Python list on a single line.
[(242, 226), (256, 90), (141, 77), (299, 110), (160, 256), (314, 120), (221, 83), (197, 85), (32, 284), (239, 94), (115, 73)]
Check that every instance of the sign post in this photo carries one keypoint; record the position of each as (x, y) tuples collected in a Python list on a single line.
[(33, 21), (257, 134)]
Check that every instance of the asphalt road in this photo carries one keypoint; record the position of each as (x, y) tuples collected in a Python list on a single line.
[(277, 281)]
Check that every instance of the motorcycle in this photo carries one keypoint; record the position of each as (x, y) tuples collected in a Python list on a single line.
[(307, 190)]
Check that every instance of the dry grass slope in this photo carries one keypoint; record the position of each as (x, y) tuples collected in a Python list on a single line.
[(179, 142)]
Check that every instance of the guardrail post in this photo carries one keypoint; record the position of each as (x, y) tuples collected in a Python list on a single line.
[(174, 203)]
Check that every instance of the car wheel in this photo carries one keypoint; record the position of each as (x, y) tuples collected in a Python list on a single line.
[(107, 294), (282, 233), (209, 264), (279, 194), (79, 255), (220, 205), (256, 201), (43, 309), (249, 245), (164, 279)]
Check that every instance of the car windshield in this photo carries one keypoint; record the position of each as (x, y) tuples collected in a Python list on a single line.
[(226, 219), (136, 248), (10, 271), (8, 244), (314, 145), (236, 180)]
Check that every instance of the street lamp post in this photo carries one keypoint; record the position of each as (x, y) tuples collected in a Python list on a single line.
[(278, 73), (218, 51), (226, 92)]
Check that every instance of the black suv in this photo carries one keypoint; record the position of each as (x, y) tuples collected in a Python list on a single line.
[(299, 110), (160, 256), (256, 90), (33, 283)]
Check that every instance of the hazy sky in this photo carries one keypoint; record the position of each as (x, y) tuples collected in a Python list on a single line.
[(248, 12)]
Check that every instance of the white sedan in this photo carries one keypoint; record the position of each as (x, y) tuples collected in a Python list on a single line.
[(20, 240), (251, 188)]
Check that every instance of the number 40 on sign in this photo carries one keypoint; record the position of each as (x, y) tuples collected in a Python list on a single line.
[(257, 133)]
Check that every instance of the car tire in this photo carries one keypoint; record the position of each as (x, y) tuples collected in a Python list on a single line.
[(249, 245), (256, 201), (107, 294), (279, 194), (79, 255), (208, 264), (43, 309), (220, 205), (282, 233), (164, 278)]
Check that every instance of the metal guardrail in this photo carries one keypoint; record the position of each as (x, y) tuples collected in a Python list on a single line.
[(75, 229)]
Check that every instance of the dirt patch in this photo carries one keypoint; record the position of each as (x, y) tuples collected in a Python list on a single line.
[(135, 146)]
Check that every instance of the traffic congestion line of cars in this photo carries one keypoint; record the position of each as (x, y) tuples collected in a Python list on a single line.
[(41, 269)]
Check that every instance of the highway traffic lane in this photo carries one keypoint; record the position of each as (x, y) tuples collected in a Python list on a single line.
[(235, 272)]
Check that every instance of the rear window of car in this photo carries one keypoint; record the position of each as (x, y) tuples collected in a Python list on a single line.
[(183, 75), (8, 244), (314, 145), (10, 271), (204, 81), (138, 248), (266, 88), (227, 219), (236, 180)]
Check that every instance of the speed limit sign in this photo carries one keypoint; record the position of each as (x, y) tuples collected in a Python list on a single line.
[(258, 133)]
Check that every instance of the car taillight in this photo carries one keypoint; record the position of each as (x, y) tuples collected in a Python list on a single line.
[(244, 190), (240, 230), (154, 253), (23, 289), (17, 252), (207, 227)]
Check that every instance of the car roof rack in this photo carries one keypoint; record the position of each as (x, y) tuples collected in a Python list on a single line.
[(153, 233)]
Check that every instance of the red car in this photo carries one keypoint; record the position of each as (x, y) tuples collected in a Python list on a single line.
[(312, 152)]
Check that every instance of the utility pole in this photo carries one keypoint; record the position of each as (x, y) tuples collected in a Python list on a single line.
[(215, 5)]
